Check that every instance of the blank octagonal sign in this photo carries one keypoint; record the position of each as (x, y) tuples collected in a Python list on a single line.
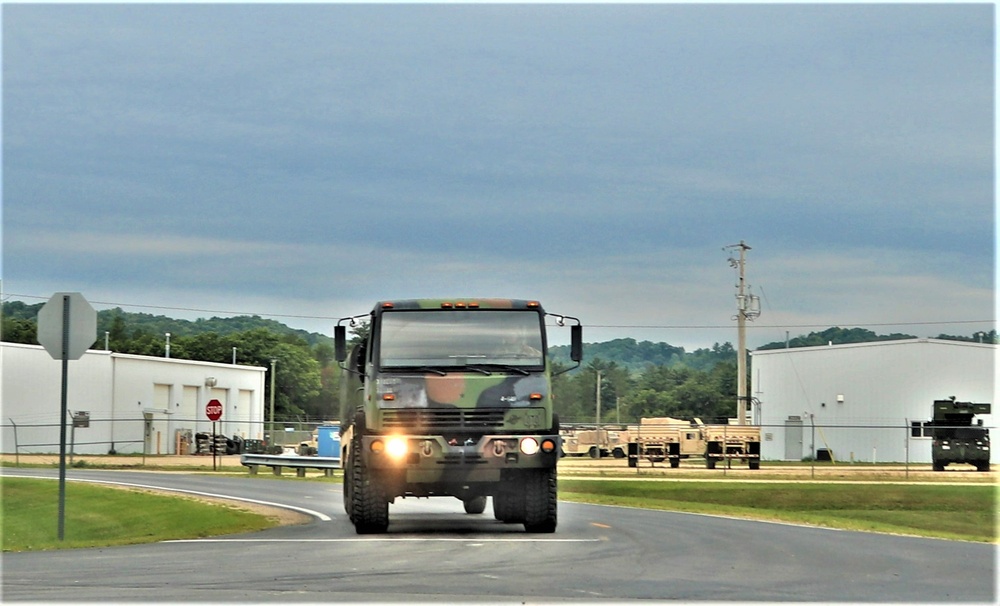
[(82, 325)]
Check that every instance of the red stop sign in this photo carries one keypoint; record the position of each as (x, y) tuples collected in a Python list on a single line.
[(213, 410)]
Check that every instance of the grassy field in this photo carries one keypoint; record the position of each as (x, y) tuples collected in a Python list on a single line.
[(98, 516), (946, 511)]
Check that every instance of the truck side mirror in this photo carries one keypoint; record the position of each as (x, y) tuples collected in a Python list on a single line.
[(576, 342), (340, 342)]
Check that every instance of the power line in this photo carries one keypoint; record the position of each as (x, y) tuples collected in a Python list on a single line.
[(630, 326)]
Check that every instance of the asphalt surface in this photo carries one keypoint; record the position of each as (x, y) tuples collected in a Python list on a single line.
[(435, 552)]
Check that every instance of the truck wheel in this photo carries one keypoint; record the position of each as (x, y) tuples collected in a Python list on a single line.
[(348, 488), (540, 502), (475, 505), (983, 465), (508, 503), (371, 509), (595, 452), (619, 453)]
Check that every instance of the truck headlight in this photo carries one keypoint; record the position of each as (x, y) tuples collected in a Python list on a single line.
[(529, 446), (396, 447)]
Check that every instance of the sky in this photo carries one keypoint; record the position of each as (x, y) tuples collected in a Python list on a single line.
[(300, 162)]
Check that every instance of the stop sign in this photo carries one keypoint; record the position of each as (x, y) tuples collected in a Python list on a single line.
[(213, 410)]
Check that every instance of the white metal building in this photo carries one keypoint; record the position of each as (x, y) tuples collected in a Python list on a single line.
[(864, 402), (133, 404)]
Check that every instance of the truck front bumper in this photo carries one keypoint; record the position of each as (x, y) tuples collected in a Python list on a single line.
[(431, 458)]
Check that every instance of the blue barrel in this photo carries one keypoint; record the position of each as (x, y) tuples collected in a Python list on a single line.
[(328, 441)]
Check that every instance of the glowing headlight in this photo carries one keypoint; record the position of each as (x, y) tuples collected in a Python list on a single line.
[(529, 446), (396, 447)]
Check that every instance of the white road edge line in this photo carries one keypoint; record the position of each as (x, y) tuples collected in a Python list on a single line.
[(478, 539), (320, 516)]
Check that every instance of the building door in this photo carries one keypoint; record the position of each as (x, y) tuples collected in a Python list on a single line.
[(793, 438)]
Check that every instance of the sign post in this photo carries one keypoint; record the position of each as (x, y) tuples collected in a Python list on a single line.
[(213, 410), (67, 327)]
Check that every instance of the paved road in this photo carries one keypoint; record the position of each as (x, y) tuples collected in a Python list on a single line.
[(435, 552)]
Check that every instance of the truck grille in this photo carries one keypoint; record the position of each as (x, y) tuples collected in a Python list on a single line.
[(442, 418)]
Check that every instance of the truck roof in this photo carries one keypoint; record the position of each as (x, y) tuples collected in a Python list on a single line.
[(458, 303)]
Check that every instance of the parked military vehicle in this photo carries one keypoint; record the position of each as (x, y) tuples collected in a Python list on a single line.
[(578, 441), (730, 442), (451, 398), (659, 439), (668, 439), (955, 438)]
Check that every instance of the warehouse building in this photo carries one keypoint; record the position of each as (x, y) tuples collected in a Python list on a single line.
[(122, 403), (865, 402)]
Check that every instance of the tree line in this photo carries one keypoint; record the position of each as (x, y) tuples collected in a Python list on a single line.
[(637, 378)]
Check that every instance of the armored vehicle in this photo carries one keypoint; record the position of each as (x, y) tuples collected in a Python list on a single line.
[(956, 439), (451, 398)]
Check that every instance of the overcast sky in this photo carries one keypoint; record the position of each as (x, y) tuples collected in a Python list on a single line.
[(308, 160)]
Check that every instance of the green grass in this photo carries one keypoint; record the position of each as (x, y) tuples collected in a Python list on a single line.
[(97, 516), (953, 512)]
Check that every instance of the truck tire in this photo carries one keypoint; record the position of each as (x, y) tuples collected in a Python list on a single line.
[(349, 486), (370, 507), (540, 502), (594, 452), (475, 505), (982, 465), (508, 503)]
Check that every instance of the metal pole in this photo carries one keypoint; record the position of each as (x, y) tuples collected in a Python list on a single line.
[(741, 361), (62, 418), (271, 439)]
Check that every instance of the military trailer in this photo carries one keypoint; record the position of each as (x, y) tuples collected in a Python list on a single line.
[(955, 438), (659, 439), (451, 398)]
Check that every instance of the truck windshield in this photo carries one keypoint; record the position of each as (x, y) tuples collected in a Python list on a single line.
[(457, 338)]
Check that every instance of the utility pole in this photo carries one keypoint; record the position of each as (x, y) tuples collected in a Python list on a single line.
[(270, 437), (598, 400), (747, 308)]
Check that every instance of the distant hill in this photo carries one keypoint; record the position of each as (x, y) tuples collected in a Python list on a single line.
[(637, 355), (154, 324)]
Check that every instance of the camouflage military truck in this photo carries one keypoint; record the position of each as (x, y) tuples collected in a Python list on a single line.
[(731, 442), (451, 398), (659, 439), (956, 439)]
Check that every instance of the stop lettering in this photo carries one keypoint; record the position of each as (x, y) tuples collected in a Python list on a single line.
[(213, 410)]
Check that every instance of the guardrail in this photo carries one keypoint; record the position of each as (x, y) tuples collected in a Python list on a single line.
[(299, 463)]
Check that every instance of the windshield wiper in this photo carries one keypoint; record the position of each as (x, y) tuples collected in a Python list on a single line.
[(404, 369), (501, 367)]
